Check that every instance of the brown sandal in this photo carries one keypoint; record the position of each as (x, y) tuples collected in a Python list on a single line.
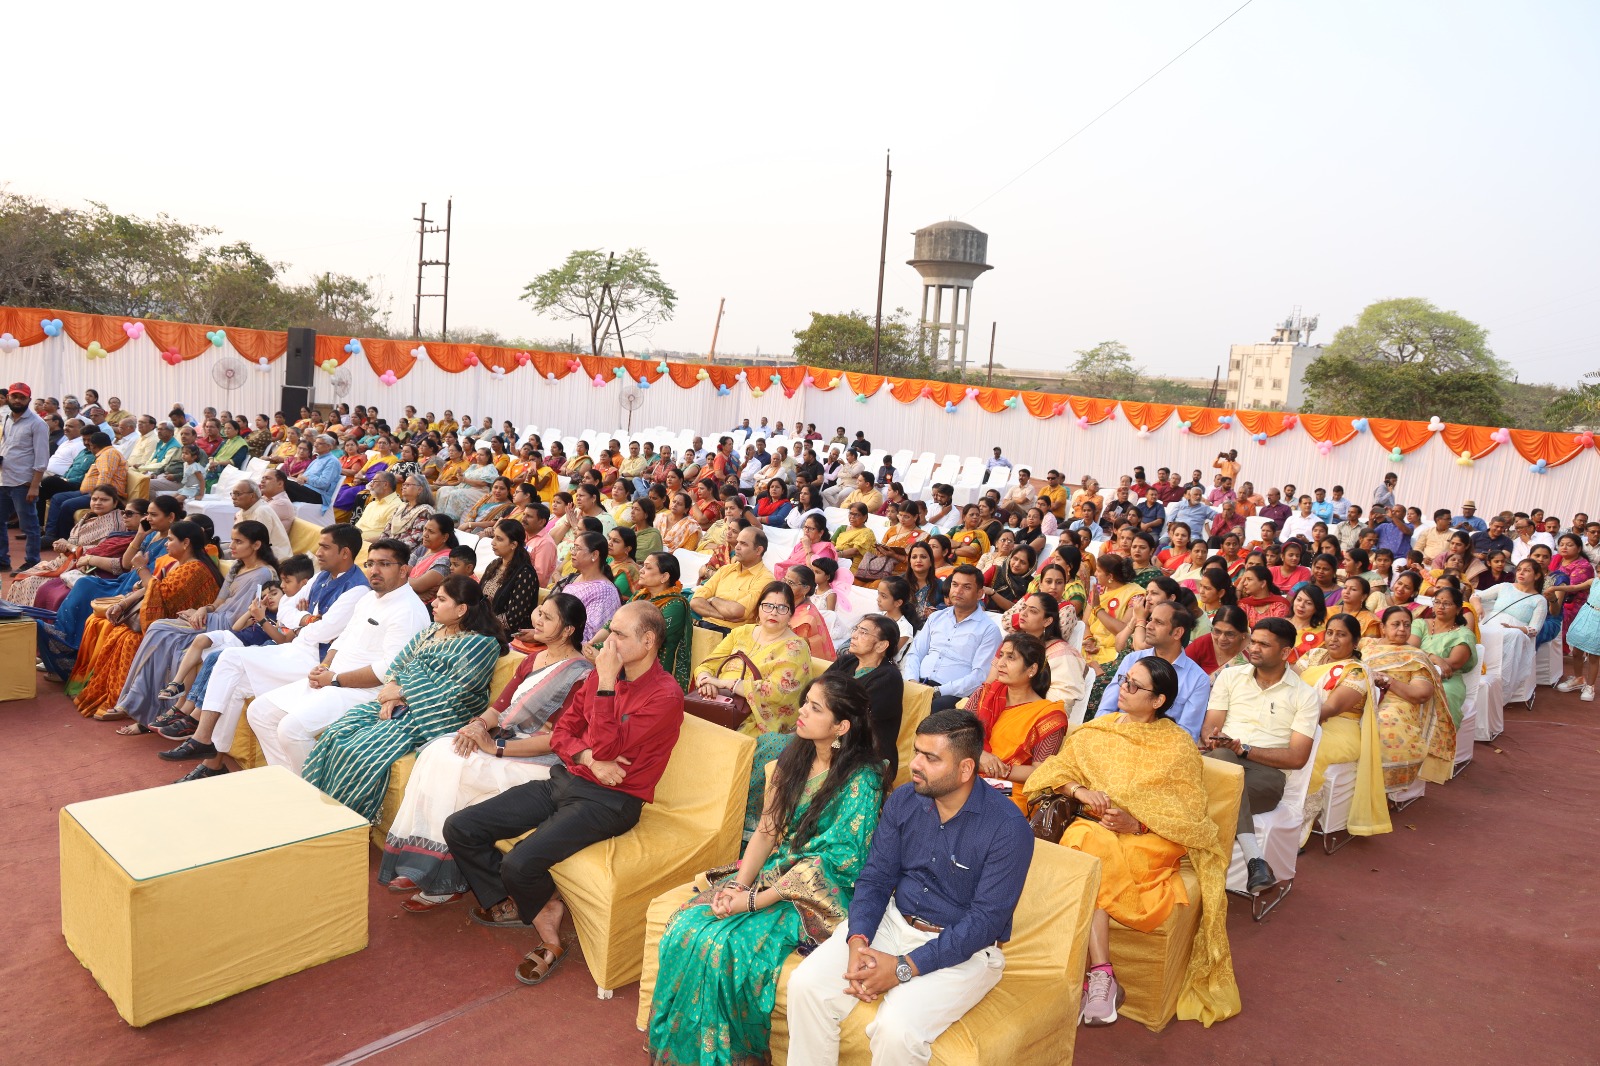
[(133, 729), (109, 714), (537, 964)]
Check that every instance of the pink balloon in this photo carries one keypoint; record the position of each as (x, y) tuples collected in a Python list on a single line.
[(1083, 421)]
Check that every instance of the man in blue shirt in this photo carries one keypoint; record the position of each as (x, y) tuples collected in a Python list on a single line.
[(932, 904), (323, 475), (1152, 515), (1192, 512), (1167, 631), (1393, 533), (952, 652), (1323, 507), (1468, 518)]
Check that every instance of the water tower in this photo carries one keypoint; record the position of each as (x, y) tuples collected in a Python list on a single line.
[(949, 255)]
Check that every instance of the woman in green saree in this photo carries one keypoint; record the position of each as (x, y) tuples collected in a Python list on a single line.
[(722, 951)]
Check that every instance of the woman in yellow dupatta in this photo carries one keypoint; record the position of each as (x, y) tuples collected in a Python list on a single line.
[(1415, 732), (1139, 775), (1349, 727), (1022, 726)]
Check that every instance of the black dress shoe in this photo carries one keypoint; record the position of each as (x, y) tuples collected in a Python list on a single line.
[(201, 772), (1261, 877), (189, 749)]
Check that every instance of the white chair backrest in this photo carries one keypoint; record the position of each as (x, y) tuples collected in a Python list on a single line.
[(1080, 706), (1252, 528)]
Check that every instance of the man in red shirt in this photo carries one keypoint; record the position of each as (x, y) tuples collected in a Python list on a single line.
[(614, 740)]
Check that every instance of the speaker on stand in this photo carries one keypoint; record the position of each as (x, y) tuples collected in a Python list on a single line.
[(302, 364)]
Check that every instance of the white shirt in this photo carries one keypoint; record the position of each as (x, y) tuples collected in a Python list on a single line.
[(1521, 548), (125, 445), (1298, 525), (262, 512), (379, 628), (325, 629), (62, 457)]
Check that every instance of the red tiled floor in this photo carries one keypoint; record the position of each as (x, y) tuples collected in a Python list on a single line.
[(1470, 935)]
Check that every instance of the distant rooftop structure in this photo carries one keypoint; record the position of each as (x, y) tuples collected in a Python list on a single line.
[(1269, 376)]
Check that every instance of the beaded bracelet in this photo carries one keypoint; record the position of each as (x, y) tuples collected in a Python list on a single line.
[(752, 901)]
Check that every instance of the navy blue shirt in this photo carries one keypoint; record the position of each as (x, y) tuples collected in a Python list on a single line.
[(965, 874), (1153, 512)]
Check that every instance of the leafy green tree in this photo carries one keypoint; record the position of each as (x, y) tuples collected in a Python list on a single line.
[(1579, 406), (1405, 358), (844, 342), (577, 290), (1104, 371)]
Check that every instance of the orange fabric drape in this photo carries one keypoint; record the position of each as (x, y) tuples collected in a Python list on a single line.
[(684, 375), (992, 400), (1393, 433), (23, 324), (189, 341), (1554, 448), (1150, 415), (1335, 429), (1476, 441), (1271, 423), (867, 384), (1044, 404), (826, 380), (906, 390), (1094, 409), (389, 355), (1203, 421)]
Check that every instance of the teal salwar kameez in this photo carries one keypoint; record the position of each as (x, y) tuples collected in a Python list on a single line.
[(718, 978), (446, 682)]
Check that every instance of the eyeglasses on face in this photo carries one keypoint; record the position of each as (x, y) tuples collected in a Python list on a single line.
[(1128, 682), (776, 608)]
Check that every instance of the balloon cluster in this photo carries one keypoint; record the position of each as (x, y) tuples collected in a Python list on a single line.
[(1014, 402), (263, 364), (1396, 455), (471, 359), (1465, 458), (861, 397), (1434, 425), (1501, 436), (95, 351), (388, 377), (330, 364), (722, 390), (52, 326), (354, 347), (1184, 427), (134, 330), (171, 357), (524, 358), (8, 343), (1259, 438), (702, 375), (598, 382), (1359, 425), (661, 367), (419, 352), (949, 408), (1324, 447), (1539, 468), (1226, 421), (1144, 431), (217, 337)]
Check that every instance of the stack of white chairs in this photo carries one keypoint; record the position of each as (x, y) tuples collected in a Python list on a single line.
[(1467, 732), (1278, 833)]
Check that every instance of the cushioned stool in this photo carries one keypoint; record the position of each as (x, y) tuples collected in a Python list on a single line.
[(179, 896), (18, 638)]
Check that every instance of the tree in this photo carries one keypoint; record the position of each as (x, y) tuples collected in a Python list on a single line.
[(1105, 371), (638, 298), (102, 262), (1578, 406), (844, 342), (1405, 358)]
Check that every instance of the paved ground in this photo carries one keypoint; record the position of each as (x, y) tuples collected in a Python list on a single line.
[(1470, 935)]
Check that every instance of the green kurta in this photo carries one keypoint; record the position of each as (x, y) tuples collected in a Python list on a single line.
[(446, 682), (718, 980), (1442, 644)]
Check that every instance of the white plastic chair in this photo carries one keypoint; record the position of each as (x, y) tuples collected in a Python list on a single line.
[(1338, 793), (1080, 707), (689, 564), (1467, 732), (1278, 832)]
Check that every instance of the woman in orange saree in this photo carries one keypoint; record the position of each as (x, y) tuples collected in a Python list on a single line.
[(1140, 781), (189, 580), (1021, 726)]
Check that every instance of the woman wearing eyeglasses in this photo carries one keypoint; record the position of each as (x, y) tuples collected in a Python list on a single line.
[(767, 663)]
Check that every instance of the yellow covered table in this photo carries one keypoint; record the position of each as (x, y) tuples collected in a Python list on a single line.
[(179, 896), (18, 639)]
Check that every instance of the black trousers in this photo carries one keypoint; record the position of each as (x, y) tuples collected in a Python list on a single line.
[(1263, 787), (52, 484), (300, 493), (569, 812)]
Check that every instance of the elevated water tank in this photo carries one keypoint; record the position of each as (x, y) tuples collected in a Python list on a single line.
[(949, 255)]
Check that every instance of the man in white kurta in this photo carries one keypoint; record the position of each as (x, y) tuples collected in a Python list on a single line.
[(331, 598), (287, 720)]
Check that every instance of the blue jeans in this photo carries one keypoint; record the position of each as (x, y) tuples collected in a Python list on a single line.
[(63, 506), (14, 501)]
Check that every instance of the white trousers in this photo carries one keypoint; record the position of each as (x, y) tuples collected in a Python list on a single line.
[(288, 719), (241, 673), (910, 1017)]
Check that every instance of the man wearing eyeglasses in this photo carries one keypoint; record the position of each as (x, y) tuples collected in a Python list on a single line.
[(287, 720), (1166, 629), (1056, 493)]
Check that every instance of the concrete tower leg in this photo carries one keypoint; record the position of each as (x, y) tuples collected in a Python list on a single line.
[(938, 318)]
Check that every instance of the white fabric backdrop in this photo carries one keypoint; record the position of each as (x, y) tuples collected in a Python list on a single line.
[(1429, 477), (138, 376)]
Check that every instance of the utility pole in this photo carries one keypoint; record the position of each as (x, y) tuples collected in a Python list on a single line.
[(989, 379), (883, 256), (717, 328), (424, 228)]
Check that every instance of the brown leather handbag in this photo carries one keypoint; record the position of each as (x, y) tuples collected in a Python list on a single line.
[(729, 712), (1050, 814)]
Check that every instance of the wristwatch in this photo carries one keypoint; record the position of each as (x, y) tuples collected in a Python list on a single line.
[(902, 969), (1244, 750), (500, 748)]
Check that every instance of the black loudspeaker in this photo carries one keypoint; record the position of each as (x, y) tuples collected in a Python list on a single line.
[(301, 360)]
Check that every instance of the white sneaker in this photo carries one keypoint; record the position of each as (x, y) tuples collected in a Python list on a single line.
[(1569, 684), (1587, 695)]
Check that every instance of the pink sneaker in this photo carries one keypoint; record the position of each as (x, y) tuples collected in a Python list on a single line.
[(1101, 998)]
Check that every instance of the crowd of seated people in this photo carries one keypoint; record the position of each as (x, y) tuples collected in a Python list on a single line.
[(1149, 613)]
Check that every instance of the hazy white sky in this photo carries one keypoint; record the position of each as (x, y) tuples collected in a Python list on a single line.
[(1315, 154)]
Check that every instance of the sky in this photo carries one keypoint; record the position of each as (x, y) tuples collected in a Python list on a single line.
[(1312, 155)]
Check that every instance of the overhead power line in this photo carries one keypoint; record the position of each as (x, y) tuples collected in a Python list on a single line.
[(1110, 109)]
